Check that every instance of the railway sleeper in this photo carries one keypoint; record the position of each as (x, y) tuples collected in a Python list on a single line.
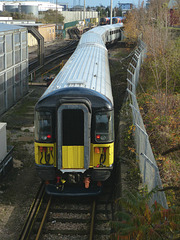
[(66, 232)]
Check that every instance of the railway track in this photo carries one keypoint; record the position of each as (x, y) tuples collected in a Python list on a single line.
[(67, 218), (74, 34), (25, 233), (62, 52)]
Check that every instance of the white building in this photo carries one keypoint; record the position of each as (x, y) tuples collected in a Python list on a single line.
[(29, 6)]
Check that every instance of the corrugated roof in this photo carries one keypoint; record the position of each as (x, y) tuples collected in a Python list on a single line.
[(88, 67), (8, 27)]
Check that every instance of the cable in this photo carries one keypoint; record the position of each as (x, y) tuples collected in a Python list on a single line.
[(41, 158)]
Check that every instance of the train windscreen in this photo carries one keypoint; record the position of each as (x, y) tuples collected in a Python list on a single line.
[(104, 127), (43, 126)]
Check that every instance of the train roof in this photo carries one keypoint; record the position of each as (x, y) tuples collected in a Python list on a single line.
[(71, 94), (88, 67), (91, 38), (101, 30)]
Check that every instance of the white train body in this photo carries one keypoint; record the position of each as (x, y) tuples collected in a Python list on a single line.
[(88, 67), (74, 119)]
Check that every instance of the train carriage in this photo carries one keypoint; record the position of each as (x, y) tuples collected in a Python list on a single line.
[(104, 20), (74, 120), (118, 20)]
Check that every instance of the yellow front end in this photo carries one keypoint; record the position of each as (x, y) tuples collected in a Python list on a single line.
[(45, 153), (102, 154), (73, 156)]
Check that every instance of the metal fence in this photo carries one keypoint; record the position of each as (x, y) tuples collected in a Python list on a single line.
[(147, 162)]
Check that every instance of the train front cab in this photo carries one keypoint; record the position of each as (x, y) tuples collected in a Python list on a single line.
[(104, 21), (74, 145)]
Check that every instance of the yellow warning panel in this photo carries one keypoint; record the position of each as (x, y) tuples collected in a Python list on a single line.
[(102, 154), (72, 157), (45, 153)]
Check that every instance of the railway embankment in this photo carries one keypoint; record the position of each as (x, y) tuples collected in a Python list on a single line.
[(127, 169)]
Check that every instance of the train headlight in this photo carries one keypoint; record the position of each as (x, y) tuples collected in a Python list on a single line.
[(103, 137), (46, 137)]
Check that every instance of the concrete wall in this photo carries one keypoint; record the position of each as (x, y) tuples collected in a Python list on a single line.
[(70, 16), (31, 40)]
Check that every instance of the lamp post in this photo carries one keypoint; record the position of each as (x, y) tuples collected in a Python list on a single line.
[(56, 16), (84, 11), (111, 12), (114, 12)]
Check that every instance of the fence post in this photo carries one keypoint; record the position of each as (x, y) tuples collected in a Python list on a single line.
[(145, 150)]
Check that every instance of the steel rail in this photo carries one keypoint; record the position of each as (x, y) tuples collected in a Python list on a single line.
[(73, 33), (71, 46), (92, 220), (53, 57), (61, 50), (61, 55), (32, 213), (43, 219)]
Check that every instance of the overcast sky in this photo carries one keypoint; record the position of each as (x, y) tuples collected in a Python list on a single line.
[(98, 2)]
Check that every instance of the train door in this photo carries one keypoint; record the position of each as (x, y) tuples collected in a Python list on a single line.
[(73, 133)]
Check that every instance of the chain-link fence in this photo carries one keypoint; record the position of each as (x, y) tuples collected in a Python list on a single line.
[(147, 162)]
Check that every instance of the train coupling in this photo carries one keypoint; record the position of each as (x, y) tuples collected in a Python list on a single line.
[(60, 183)]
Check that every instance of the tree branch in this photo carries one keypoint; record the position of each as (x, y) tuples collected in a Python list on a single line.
[(175, 188), (173, 149)]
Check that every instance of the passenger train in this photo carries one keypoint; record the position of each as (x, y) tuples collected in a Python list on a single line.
[(106, 20), (74, 120), (118, 20)]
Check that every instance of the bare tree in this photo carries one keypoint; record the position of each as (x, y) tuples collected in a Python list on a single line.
[(162, 56)]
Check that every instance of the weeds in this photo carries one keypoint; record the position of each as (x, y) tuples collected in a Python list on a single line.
[(139, 221)]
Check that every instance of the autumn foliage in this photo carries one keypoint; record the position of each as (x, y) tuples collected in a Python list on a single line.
[(132, 32), (139, 221), (161, 118), (158, 92), (158, 96)]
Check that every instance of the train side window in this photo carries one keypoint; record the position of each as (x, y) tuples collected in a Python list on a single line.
[(104, 122), (43, 126)]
